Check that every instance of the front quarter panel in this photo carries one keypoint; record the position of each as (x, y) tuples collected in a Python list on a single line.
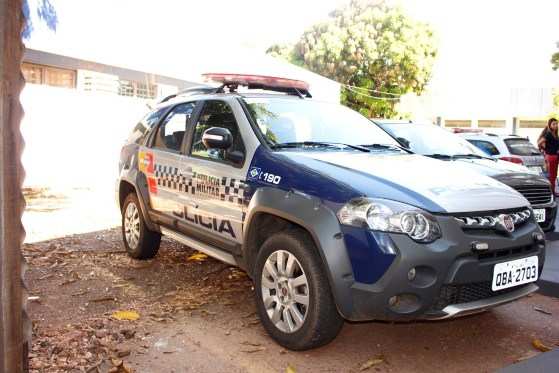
[(322, 224)]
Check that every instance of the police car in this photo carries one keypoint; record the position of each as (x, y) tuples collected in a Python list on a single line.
[(328, 214)]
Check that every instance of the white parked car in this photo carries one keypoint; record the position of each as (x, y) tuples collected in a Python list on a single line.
[(510, 148)]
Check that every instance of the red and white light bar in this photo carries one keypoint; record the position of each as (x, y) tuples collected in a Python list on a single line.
[(466, 130), (256, 80)]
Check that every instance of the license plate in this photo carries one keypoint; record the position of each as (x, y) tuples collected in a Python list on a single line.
[(540, 215), (514, 273)]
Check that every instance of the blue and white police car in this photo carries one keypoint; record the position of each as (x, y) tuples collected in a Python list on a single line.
[(330, 217)]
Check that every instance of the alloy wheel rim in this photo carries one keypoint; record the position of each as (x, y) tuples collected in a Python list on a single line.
[(132, 225), (285, 291)]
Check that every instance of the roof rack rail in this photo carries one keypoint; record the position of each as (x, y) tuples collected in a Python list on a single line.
[(202, 89)]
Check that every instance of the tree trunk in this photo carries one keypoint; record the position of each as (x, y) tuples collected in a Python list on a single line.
[(13, 341)]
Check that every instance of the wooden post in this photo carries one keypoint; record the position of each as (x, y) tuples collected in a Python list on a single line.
[(13, 342)]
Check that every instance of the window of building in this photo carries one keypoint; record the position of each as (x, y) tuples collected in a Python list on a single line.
[(53, 76), (144, 90), (60, 77), (457, 123), (32, 73), (137, 89), (125, 88), (491, 123)]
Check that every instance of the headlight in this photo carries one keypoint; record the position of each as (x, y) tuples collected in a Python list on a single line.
[(390, 216)]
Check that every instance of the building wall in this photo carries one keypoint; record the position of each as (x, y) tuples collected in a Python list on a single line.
[(73, 138)]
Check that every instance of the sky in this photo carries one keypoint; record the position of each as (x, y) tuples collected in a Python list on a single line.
[(483, 45), (507, 43)]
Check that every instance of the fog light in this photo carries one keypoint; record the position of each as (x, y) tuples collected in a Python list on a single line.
[(393, 301), (480, 246), (411, 274)]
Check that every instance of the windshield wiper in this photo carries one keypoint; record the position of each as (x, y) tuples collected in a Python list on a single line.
[(439, 156), (381, 146), (471, 155), (300, 144)]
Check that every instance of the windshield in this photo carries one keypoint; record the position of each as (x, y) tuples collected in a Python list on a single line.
[(428, 139), (289, 122), (521, 147)]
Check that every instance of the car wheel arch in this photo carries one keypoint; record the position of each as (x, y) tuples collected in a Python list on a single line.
[(290, 210)]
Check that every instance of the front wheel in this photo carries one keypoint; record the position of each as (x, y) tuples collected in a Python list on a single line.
[(139, 241), (293, 294)]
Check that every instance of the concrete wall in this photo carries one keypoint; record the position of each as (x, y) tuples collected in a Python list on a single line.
[(73, 138), (525, 128)]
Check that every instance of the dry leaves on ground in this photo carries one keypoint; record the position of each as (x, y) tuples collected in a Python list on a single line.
[(197, 257), (540, 345), (372, 362), (290, 369), (126, 315)]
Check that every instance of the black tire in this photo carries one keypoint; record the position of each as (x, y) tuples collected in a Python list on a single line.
[(323, 321), (148, 241)]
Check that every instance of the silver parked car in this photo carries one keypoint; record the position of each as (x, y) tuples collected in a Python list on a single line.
[(510, 148)]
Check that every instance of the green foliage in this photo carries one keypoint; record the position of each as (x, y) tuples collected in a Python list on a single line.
[(555, 61), (371, 45)]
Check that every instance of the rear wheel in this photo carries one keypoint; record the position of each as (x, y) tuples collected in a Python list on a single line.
[(139, 241), (292, 292)]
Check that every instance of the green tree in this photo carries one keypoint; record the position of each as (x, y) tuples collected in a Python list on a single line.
[(555, 59), (370, 45)]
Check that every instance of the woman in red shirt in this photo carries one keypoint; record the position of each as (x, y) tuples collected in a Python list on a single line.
[(549, 143)]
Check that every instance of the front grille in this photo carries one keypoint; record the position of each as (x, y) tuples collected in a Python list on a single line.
[(507, 253), (493, 221), (535, 194), (456, 294)]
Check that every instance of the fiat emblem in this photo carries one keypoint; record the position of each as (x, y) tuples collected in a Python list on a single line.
[(506, 222)]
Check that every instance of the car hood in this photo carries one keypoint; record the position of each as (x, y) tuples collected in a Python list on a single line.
[(414, 179), (491, 167)]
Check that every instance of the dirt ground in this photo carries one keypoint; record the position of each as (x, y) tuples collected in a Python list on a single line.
[(199, 316)]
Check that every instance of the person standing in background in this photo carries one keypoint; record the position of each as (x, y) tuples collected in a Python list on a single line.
[(549, 143)]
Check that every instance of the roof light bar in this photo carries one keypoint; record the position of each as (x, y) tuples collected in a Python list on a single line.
[(466, 130), (258, 81)]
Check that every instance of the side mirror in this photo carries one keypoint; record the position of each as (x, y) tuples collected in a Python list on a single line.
[(217, 138)]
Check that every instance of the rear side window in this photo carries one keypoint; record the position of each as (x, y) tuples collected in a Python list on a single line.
[(170, 133), (139, 133), (521, 147), (486, 146)]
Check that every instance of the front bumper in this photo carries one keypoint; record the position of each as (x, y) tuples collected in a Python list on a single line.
[(450, 279), (469, 308)]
